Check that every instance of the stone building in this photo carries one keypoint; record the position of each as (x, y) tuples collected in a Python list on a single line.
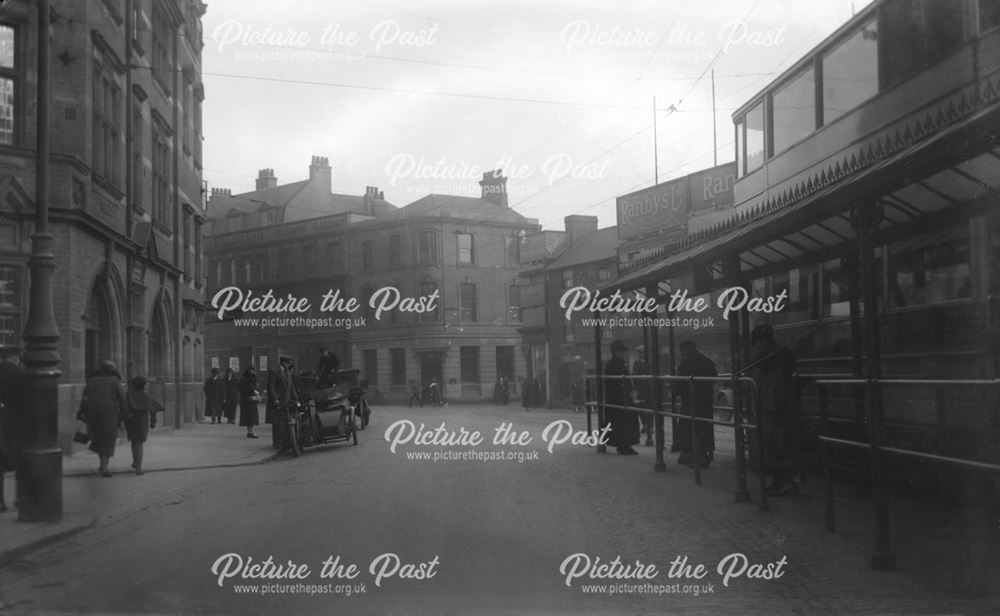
[(125, 198)]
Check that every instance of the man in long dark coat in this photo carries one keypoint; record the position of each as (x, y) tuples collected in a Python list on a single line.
[(693, 363), (215, 396), (280, 392), (624, 423), (773, 369)]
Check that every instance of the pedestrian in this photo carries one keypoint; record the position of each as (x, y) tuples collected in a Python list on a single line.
[(504, 391), (773, 368), (141, 417), (11, 414), (624, 424), (537, 393), (496, 391), (215, 396), (641, 393), (103, 408), (327, 368), (415, 394), (231, 384), (693, 363), (281, 392), (526, 394), (249, 398), (576, 393), (434, 393)]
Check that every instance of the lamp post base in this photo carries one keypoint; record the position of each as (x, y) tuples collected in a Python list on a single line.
[(39, 486)]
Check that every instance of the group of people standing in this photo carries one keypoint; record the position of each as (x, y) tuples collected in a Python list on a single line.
[(224, 393), (772, 367)]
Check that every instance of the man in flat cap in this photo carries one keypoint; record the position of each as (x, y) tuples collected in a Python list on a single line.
[(624, 424)]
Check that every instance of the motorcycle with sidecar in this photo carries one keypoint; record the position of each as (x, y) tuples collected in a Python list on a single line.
[(326, 414)]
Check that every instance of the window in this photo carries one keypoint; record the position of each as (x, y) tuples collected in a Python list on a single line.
[(793, 110), (397, 364), (286, 261), (754, 156), (367, 254), (138, 132), (603, 274), (186, 231), (334, 256), (740, 153), (197, 251), (232, 271), (470, 364), (163, 48), (567, 279), (801, 288), (930, 268), (366, 299), (837, 285), (505, 362), (468, 302), (427, 247), (427, 289), (394, 251), (369, 358), (918, 33), (989, 14), (247, 271), (850, 72), (218, 273), (107, 126), (161, 177), (512, 246), (309, 253), (567, 327), (10, 306), (8, 84), (514, 303), (188, 121), (466, 248)]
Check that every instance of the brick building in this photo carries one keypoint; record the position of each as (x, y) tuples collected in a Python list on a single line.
[(125, 193), (304, 240)]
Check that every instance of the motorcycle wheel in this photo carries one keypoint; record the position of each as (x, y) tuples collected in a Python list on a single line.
[(354, 428)]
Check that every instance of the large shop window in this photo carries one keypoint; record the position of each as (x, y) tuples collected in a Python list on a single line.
[(918, 33), (397, 358), (794, 110), (930, 269), (11, 301), (850, 72)]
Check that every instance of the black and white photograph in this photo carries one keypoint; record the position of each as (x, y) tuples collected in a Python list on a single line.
[(440, 307)]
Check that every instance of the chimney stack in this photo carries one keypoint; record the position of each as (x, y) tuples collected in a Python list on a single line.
[(372, 194), (578, 227), (266, 179), (319, 171), (494, 187), (222, 192)]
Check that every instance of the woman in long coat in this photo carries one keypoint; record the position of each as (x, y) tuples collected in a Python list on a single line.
[(215, 396), (249, 414), (103, 409)]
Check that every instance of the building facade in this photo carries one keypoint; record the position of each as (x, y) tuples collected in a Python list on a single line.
[(443, 267), (126, 203)]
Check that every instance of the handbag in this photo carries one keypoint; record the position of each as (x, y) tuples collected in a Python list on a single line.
[(81, 435), (255, 397)]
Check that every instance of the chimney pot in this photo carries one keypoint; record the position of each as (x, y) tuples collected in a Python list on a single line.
[(494, 187)]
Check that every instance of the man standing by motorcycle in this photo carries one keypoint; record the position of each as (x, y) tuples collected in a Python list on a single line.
[(280, 393)]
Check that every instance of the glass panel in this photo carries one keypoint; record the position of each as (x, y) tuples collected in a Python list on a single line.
[(989, 14), (739, 148), (930, 273), (7, 111), (755, 138), (850, 73), (794, 109), (836, 291), (918, 33), (6, 47), (801, 287)]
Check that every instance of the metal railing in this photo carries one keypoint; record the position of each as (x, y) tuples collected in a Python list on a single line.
[(739, 426), (883, 557)]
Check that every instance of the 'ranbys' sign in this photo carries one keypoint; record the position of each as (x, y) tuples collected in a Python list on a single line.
[(659, 207), (667, 206)]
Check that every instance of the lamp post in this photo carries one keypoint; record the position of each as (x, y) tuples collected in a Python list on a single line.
[(39, 474)]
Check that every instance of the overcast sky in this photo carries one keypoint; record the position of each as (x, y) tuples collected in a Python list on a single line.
[(423, 96)]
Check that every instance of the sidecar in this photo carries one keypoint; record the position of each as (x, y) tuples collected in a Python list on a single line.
[(329, 414)]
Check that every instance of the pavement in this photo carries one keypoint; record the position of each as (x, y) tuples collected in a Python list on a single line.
[(86, 501)]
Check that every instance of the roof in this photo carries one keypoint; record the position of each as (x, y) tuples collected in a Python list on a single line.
[(337, 204), (483, 210), (599, 245), (254, 200)]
